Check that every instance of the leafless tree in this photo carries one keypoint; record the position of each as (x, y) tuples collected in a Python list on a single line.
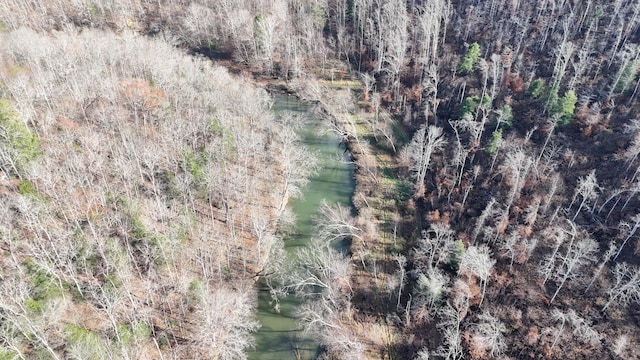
[(424, 143), (632, 231), (488, 333), (394, 27), (558, 316), (435, 245), (401, 261), (605, 259), (480, 221), (335, 222), (587, 188), (578, 255), (564, 53), (581, 328), (321, 276), (558, 236), (265, 239), (430, 18), (510, 245), (626, 285), (474, 130), (298, 162), (517, 165), (477, 261), (432, 287), (423, 354), (452, 315), (226, 321), (633, 150)]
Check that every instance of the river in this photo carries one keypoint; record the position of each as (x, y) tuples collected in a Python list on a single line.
[(280, 336)]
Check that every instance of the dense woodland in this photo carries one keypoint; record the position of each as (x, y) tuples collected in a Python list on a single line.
[(144, 187)]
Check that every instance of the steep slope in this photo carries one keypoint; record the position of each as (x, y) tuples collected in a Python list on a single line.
[(139, 194)]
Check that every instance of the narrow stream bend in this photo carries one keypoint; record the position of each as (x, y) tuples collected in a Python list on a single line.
[(280, 336)]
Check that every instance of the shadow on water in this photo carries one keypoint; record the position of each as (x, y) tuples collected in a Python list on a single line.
[(281, 337)]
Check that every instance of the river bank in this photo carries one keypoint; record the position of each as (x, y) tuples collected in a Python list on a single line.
[(382, 206), (382, 201)]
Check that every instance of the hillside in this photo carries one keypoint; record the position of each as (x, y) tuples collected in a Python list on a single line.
[(496, 152), (140, 189)]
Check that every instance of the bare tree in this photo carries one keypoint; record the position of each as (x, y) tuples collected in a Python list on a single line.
[(265, 239), (335, 223), (430, 18), (488, 335), (558, 316), (559, 236), (452, 315), (430, 90), (626, 285), (431, 289), (477, 261), (633, 150), (583, 330), (632, 231), (298, 162), (423, 354), (401, 260), (435, 246), (605, 259), (321, 276), (564, 53), (581, 327), (511, 246), (517, 164), (552, 122), (394, 25), (578, 255), (424, 143), (587, 189), (480, 221), (226, 321), (462, 152)]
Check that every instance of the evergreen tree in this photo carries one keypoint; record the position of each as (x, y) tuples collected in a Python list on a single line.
[(470, 59)]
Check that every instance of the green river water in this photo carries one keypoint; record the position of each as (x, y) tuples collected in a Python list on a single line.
[(280, 336)]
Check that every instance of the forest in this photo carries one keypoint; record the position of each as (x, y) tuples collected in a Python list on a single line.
[(144, 179)]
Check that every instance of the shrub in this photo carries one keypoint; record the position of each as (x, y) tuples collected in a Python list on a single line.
[(626, 78), (456, 255), (18, 146), (45, 286), (494, 143), (195, 292), (26, 188), (86, 343), (552, 98), (5, 354), (318, 15), (130, 334), (536, 88), (194, 163)]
